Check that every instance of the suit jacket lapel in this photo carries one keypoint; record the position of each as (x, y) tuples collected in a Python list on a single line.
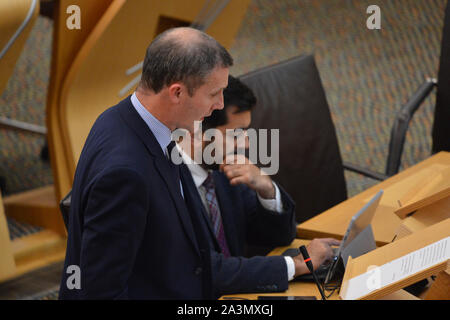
[(165, 171), (138, 125)]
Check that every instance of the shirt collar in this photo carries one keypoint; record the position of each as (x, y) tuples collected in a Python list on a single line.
[(199, 174), (159, 130)]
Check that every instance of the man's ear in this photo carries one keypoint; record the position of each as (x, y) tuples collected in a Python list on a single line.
[(176, 92)]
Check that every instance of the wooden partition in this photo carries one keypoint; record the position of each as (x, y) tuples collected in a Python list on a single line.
[(40, 206), (66, 45), (334, 221), (426, 203), (425, 217), (100, 75)]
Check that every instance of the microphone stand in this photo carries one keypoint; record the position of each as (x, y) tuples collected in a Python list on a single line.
[(310, 266)]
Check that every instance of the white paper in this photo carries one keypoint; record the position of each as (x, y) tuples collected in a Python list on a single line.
[(398, 269)]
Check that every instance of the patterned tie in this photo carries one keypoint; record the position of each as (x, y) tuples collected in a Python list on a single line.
[(175, 168), (214, 214)]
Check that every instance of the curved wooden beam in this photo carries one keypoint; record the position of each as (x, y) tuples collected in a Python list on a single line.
[(66, 44)]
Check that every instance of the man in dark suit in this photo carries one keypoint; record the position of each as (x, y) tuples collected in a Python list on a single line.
[(130, 233), (239, 206)]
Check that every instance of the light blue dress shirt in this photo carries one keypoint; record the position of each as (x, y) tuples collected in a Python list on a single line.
[(159, 130)]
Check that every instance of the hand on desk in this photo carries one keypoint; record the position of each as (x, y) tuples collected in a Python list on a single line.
[(320, 250)]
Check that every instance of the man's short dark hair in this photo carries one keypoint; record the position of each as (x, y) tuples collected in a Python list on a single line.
[(236, 94), (170, 59)]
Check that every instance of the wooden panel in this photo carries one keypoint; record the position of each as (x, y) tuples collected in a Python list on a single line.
[(400, 295), (434, 188), (334, 221), (7, 265), (440, 289), (66, 44), (36, 251), (425, 217), (37, 207), (98, 74)]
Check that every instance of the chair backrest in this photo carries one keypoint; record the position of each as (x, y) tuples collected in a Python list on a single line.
[(291, 98), (441, 127)]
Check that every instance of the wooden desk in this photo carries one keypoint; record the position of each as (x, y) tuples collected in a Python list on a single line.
[(334, 221), (307, 288)]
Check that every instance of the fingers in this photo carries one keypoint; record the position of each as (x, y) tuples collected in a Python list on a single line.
[(238, 158), (331, 241), (327, 241), (320, 250), (233, 172), (239, 180), (230, 167), (237, 174)]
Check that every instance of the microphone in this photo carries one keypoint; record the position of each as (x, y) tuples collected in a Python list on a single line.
[(310, 266)]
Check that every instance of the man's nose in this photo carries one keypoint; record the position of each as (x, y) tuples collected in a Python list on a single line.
[(219, 105)]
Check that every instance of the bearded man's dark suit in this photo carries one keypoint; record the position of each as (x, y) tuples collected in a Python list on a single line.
[(245, 221)]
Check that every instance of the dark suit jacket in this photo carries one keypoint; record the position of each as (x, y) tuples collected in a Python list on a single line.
[(245, 221), (129, 230)]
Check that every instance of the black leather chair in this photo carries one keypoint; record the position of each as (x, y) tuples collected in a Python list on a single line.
[(441, 127), (291, 98)]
